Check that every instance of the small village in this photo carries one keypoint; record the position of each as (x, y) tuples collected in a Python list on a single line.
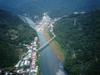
[(28, 63)]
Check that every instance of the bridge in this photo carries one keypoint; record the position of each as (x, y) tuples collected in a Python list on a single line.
[(45, 45), (48, 42)]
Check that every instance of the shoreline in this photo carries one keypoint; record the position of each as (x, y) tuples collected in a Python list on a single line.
[(55, 47)]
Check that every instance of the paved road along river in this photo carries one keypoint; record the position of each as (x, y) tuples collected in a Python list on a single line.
[(49, 63)]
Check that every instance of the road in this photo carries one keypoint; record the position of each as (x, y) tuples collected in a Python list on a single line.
[(49, 63)]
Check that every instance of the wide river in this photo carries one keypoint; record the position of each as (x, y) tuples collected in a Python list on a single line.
[(49, 63)]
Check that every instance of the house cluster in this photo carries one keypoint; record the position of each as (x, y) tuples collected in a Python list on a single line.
[(33, 65), (28, 63)]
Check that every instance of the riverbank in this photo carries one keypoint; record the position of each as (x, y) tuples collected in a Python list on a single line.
[(56, 46)]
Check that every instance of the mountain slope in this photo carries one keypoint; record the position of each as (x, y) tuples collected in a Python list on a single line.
[(79, 36), (13, 34), (36, 7)]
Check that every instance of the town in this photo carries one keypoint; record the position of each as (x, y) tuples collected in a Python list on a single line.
[(28, 63)]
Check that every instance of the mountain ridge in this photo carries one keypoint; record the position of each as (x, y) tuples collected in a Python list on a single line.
[(13, 34), (80, 40)]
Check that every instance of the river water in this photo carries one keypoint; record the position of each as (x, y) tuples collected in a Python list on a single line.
[(49, 63)]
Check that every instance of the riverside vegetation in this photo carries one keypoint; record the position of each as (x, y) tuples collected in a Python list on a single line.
[(81, 42), (13, 34)]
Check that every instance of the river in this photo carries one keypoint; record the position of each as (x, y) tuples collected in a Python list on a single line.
[(49, 63)]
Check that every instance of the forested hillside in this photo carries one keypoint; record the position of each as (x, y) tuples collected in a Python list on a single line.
[(27, 7), (13, 34), (79, 36)]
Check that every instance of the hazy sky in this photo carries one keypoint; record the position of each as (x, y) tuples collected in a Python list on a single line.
[(49, 5)]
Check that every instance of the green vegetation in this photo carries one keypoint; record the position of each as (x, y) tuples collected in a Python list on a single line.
[(13, 34), (81, 42)]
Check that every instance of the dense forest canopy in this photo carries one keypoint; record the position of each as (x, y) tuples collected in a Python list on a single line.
[(79, 35), (13, 34)]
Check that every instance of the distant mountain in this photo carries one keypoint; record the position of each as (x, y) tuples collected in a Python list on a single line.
[(79, 36), (13, 34), (54, 8)]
